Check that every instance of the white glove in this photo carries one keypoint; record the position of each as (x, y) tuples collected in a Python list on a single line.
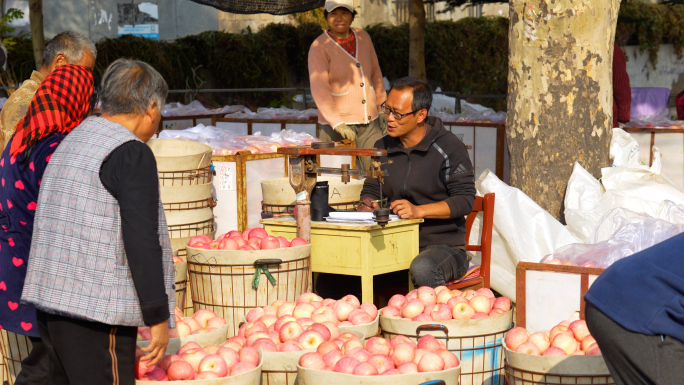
[(345, 131)]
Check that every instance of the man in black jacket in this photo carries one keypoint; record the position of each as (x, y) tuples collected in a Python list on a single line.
[(431, 178)]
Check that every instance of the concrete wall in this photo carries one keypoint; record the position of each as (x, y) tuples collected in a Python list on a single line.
[(668, 73), (98, 18)]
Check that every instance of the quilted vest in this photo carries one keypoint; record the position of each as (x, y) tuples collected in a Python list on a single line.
[(77, 264)]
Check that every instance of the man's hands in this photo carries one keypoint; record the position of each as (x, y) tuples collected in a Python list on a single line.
[(406, 210), (157, 347), (367, 205), (345, 131)]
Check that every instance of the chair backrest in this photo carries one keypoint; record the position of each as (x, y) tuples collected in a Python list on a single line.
[(486, 206)]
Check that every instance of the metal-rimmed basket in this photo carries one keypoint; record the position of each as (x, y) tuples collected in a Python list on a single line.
[(15, 348), (528, 369), (230, 282), (477, 343)]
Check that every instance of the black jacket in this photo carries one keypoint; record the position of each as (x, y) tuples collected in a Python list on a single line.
[(436, 169)]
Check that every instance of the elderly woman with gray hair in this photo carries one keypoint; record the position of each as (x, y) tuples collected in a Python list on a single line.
[(100, 261)]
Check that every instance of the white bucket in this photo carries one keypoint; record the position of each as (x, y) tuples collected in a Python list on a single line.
[(279, 192), (177, 155), (477, 343), (523, 369), (322, 377), (221, 280)]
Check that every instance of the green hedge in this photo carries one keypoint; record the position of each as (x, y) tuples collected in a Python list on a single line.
[(469, 56)]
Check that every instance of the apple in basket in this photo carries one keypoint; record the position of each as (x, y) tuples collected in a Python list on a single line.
[(402, 358), (441, 304), (566, 338)]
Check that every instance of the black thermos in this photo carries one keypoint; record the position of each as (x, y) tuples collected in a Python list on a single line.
[(319, 201)]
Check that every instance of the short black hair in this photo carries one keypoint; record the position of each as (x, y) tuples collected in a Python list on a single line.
[(354, 13), (422, 93)]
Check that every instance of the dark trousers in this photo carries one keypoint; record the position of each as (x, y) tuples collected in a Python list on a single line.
[(438, 264), (83, 352), (635, 358), (35, 367)]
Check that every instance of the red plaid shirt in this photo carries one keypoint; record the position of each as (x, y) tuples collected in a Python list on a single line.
[(622, 93)]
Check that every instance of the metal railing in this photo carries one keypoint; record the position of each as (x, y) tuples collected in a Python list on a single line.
[(307, 91), (192, 93)]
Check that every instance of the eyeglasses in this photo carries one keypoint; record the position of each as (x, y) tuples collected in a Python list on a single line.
[(397, 116)]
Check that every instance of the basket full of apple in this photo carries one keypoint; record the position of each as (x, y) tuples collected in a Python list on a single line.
[(565, 354), (471, 323), (204, 328), (310, 324), (208, 365), (380, 361), (242, 270)]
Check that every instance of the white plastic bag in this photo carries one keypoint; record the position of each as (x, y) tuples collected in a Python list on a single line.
[(522, 231), (624, 149), (630, 233)]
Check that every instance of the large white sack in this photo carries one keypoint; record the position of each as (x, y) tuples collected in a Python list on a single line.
[(582, 196), (624, 149), (522, 231)]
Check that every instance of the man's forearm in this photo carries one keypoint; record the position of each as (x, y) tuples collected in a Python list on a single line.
[(439, 210)]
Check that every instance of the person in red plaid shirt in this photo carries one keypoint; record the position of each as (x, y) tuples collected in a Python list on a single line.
[(622, 92)]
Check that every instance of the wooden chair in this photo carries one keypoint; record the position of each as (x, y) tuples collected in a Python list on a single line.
[(479, 277)]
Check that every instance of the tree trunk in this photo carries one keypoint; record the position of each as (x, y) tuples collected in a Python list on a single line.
[(37, 32), (560, 95), (417, 39)]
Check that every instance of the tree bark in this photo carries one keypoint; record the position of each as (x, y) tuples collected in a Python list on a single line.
[(560, 95), (417, 39), (37, 32)]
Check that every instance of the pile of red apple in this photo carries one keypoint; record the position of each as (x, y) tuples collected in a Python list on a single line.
[(442, 304), (379, 356), (202, 321), (251, 239), (565, 339), (192, 362), (311, 308)]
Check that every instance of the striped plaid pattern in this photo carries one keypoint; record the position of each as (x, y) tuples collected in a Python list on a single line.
[(78, 265), (60, 104)]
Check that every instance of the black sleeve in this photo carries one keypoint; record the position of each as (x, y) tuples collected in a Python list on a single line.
[(130, 175), (460, 180)]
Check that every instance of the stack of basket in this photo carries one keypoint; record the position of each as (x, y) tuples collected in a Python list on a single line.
[(185, 184)]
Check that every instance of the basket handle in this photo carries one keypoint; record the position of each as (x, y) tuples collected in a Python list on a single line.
[(433, 327), (260, 267), (434, 382), (264, 262)]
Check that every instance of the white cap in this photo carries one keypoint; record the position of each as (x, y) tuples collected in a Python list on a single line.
[(330, 5)]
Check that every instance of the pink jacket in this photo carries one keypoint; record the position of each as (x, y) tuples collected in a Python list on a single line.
[(346, 89)]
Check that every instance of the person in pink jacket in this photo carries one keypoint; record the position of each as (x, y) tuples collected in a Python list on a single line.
[(346, 81)]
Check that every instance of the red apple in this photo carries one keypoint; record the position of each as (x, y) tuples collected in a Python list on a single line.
[(312, 361), (402, 353), (290, 331), (214, 363), (450, 359), (359, 317), (310, 340), (390, 311), (331, 358), (412, 308), (528, 348), (290, 346), (516, 337), (378, 345), (371, 309), (427, 295), (230, 356), (554, 351), (257, 232), (194, 357), (382, 362), (430, 362), (180, 370), (298, 242), (188, 346), (270, 243), (242, 367), (322, 329), (346, 365), (397, 301), (462, 311), (365, 369), (249, 354), (283, 242), (408, 368), (579, 330)]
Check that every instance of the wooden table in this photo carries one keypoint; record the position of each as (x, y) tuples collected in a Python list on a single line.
[(363, 250)]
